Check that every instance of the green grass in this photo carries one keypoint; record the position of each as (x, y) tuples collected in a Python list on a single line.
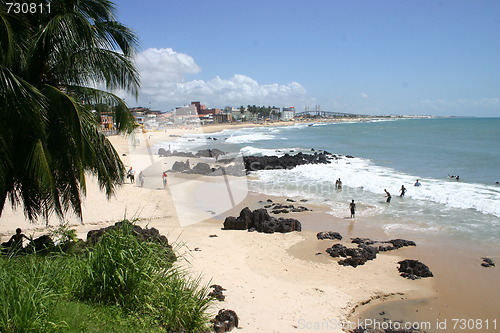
[(120, 285)]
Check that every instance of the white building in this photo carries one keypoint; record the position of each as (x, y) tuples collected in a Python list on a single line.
[(288, 113)]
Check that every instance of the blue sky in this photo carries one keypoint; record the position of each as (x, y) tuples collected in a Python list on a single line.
[(359, 56)]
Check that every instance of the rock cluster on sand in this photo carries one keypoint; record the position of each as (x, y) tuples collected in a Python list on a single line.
[(414, 269), (366, 250), (328, 235), (285, 209), (143, 234), (217, 292), (225, 321), (487, 262), (260, 220)]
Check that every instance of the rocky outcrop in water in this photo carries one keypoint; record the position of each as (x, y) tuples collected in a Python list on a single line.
[(259, 220), (414, 269), (162, 152), (255, 163)]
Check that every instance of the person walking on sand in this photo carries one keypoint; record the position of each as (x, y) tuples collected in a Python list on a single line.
[(352, 207), (388, 195), (164, 179), (131, 175), (402, 190), (141, 179)]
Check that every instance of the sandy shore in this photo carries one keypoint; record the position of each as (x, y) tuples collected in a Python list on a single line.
[(277, 282), (270, 288)]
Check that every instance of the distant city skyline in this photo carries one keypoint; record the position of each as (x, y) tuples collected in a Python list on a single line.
[(365, 57)]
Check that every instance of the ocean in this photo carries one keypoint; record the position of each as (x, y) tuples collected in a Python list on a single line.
[(386, 155)]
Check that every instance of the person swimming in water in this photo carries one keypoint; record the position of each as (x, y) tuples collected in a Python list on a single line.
[(402, 190), (417, 183), (388, 195)]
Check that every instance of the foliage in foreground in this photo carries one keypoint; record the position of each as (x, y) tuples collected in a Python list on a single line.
[(50, 64), (129, 285)]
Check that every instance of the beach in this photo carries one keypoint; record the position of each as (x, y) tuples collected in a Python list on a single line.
[(282, 282)]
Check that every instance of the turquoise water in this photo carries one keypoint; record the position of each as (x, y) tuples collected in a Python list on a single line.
[(387, 155)]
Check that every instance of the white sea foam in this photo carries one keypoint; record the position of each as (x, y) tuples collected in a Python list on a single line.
[(249, 137), (361, 175)]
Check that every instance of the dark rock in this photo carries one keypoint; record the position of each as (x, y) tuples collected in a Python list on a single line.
[(180, 166), (146, 234), (254, 163), (225, 321), (217, 292), (260, 220), (41, 244), (290, 200), (355, 256), (162, 152), (337, 250), (202, 168), (487, 262), (209, 153), (329, 235), (365, 241), (413, 269), (280, 211), (398, 243)]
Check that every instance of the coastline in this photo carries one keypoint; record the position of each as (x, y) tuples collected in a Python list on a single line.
[(274, 282)]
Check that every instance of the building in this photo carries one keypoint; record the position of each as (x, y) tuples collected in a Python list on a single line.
[(185, 114), (288, 113)]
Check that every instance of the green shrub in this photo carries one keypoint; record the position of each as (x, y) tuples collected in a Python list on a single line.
[(181, 303), (120, 268), (26, 292)]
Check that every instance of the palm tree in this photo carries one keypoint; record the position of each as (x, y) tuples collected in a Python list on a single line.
[(50, 66)]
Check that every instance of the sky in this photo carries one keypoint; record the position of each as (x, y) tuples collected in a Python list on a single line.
[(374, 57)]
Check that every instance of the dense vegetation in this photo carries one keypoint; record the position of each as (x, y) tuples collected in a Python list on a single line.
[(51, 62), (120, 284)]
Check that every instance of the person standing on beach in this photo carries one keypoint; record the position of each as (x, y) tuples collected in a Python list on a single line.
[(388, 195), (141, 179), (131, 175), (352, 206), (164, 179), (402, 190)]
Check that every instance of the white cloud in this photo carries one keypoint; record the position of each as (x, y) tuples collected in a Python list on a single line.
[(364, 95), (163, 73)]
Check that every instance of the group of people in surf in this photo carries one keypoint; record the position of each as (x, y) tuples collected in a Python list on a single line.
[(402, 191)]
